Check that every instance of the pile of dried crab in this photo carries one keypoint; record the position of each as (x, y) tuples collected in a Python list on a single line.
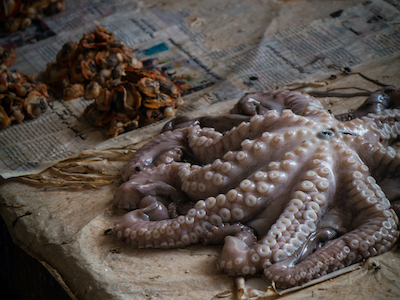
[(18, 14), (103, 68), (97, 67), (141, 98), (83, 68), (21, 97)]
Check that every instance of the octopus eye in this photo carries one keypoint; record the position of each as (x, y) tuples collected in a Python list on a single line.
[(388, 91), (108, 231), (325, 134), (137, 169)]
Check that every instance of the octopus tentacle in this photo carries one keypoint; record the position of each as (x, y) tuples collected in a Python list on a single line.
[(291, 191), (207, 144), (170, 233), (169, 156), (162, 181), (146, 155), (297, 220), (376, 103), (262, 102), (383, 162), (223, 174), (219, 123), (375, 232), (385, 125), (217, 234)]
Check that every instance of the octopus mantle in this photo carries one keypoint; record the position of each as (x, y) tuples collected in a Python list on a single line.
[(293, 192)]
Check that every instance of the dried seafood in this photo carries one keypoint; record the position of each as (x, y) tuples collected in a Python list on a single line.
[(141, 97), (20, 96), (102, 68), (7, 57), (17, 14), (97, 61)]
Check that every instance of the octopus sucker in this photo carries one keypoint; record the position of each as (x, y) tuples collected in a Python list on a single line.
[(290, 190)]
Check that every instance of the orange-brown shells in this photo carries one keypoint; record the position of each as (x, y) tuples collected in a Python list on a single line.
[(141, 97), (7, 56), (20, 97), (18, 14), (97, 57)]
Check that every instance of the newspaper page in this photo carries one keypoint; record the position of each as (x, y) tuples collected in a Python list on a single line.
[(63, 129), (350, 37), (162, 39)]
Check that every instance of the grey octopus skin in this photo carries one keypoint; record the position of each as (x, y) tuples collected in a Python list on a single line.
[(291, 192)]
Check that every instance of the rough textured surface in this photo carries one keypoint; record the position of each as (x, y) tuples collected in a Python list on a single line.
[(66, 227), (66, 230)]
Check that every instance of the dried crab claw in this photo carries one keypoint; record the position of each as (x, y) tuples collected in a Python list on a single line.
[(16, 77), (118, 71), (97, 38), (35, 104), (111, 44), (55, 71), (63, 82), (103, 34), (130, 58), (103, 100), (75, 71), (7, 56), (20, 89), (92, 90), (134, 75), (168, 87), (165, 100), (88, 41), (54, 6), (149, 86), (12, 24), (41, 88), (7, 101), (25, 23), (3, 82), (112, 59), (9, 8), (103, 76), (16, 114), (89, 68), (4, 119), (100, 57), (120, 123), (73, 91), (127, 99), (68, 52), (94, 115), (90, 53), (162, 100), (133, 97)]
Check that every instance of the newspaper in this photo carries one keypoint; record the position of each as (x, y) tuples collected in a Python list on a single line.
[(163, 39)]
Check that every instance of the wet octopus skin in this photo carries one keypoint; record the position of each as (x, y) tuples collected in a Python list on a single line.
[(313, 189)]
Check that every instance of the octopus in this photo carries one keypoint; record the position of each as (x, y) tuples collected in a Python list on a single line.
[(292, 191)]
